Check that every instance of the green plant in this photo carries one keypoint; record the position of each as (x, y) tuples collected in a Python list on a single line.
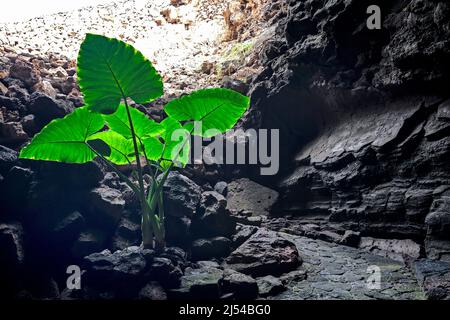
[(110, 74)]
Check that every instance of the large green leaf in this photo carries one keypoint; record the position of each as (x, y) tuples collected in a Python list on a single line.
[(109, 69), (153, 148), (176, 142), (64, 140), (143, 126), (121, 148), (217, 109)]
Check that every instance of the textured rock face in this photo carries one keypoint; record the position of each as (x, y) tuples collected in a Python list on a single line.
[(264, 253), (363, 116), (247, 195), (181, 195)]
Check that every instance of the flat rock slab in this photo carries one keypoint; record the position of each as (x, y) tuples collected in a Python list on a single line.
[(247, 195), (342, 273)]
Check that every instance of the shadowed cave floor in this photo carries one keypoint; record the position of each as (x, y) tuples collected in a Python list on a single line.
[(341, 272)]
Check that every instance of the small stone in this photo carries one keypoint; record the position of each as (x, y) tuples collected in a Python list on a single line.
[(46, 88), (350, 238), (269, 286)]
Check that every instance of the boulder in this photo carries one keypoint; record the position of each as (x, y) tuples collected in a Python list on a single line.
[(26, 72), (240, 285), (121, 271), (217, 247), (107, 205), (181, 195), (127, 234), (12, 133), (46, 108), (247, 195), (212, 218), (165, 271), (201, 283), (88, 242), (178, 231), (264, 253), (69, 227), (243, 232)]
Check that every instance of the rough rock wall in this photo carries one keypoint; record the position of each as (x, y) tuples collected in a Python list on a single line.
[(363, 115)]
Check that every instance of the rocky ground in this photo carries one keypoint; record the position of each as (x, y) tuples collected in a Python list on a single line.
[(360, 187), (192, 43)]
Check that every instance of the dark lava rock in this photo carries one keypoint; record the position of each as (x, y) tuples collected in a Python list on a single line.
[(88, 242), (176, 255), (107, 205), (181, 195), (12, 258), (165, 272), (293, 276), (247, 195), (178, 231), (212, 217), (221, 187), (25, 71), (366, 109), (79, 176), (70, 226), (202, 283), (217, 247), (127, 234), (46, 108), (15, 186), (434, 278), (12, 133), (240, 285), (29, 125), (243, 232), (11, 241), (269, 286), (152, 291), (122, 270), (264, 253), (350, 238), (8, 159)]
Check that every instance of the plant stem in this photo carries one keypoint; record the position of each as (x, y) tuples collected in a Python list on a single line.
[(111, 166), (136, 153)]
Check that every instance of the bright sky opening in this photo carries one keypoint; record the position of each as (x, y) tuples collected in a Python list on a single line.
[(19, 10)]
